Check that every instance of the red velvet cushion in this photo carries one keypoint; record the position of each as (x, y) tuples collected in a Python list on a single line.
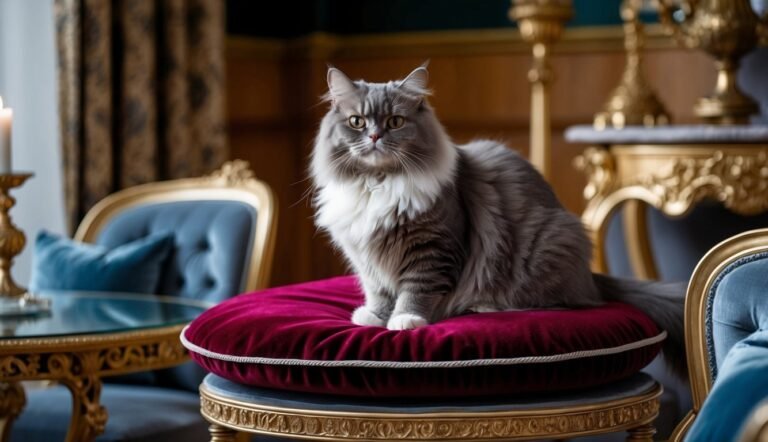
[(300, 338)]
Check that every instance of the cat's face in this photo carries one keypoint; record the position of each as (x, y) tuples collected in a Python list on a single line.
[(378, 128)]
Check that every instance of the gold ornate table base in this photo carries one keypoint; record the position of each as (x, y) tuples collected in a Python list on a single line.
[(634, 414), (671, 178), (79, 363)]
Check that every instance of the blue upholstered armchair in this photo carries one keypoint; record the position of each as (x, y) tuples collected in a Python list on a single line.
[(726, 339), (223, 226)]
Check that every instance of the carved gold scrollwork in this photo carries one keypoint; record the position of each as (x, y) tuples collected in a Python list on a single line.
[(597, 163), (740, 182), (233, 173), (337, 426), (88, 416)]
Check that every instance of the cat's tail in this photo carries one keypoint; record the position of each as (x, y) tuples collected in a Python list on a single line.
[(663, 302)]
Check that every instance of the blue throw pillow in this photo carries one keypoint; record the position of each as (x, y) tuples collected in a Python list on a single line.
[(60, 263)]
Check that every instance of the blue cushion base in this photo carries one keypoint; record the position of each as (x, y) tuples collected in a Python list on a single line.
[(634, 385)]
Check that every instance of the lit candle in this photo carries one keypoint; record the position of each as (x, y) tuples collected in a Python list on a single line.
[(6, 118)]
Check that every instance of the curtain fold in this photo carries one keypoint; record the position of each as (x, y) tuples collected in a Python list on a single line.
[(141, 94)]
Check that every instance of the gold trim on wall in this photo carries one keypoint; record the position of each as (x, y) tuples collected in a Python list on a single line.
[(434, 43)]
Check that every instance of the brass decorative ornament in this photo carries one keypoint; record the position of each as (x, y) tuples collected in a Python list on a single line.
[(726, 29), (541, 23), (633, 102)]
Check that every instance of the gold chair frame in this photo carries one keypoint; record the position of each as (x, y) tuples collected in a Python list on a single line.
[(233, 182), (704, 276)]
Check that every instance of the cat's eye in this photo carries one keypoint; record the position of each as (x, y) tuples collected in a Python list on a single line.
[(356, 122), (395, 122)]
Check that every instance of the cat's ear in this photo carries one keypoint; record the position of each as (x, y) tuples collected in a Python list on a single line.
[(339, 85), (417, 80)]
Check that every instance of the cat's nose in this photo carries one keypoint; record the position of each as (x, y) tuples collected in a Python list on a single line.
[(375, 137)]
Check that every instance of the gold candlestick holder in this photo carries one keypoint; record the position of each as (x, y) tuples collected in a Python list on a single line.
[(14, 299)]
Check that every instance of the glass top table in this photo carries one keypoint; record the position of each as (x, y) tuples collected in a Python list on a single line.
[(84, 337), (80, 313)]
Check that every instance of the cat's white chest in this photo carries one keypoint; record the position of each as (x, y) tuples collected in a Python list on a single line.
[(353, 211)]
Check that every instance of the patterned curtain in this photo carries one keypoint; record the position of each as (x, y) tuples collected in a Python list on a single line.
[(141, 93)]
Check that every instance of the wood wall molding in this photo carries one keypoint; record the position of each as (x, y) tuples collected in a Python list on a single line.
[(320, 45)]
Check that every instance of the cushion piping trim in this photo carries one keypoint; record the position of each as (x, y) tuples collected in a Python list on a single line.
[(423, 364)]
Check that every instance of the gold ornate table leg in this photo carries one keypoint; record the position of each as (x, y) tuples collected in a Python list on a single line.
[(222, 434), (89, 417), (12, 401), (641, 434), (638, 244)]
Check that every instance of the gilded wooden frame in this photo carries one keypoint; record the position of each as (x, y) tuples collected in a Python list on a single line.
[(233, 182), (634, 414), (704, 276)]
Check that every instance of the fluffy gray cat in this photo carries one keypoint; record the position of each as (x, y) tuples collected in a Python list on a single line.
[(435, 230)]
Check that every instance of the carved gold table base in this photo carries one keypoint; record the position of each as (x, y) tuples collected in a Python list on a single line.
[(634, 414), (671, 178), (79, 363)]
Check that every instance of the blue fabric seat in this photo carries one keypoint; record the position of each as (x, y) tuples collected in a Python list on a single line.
[(223, 237)]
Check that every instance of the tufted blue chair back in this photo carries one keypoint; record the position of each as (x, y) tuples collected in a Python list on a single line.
[(213, 241)]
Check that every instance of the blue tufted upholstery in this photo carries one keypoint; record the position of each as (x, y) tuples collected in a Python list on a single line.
[(212, 244), (737, 348), (212, 251), (739, 306)]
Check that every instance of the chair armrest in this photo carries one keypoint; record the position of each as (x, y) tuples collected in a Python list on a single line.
[(727, 258)]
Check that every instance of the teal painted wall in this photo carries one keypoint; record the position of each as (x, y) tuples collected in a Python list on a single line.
[(287, 19)]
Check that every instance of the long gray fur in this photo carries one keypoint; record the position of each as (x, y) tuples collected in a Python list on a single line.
[(435, 230)]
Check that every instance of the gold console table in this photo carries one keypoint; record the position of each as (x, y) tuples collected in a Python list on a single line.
[(669, 168)]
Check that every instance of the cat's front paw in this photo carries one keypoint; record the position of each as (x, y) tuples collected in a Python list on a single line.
[(406, 321), (363, 316)]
